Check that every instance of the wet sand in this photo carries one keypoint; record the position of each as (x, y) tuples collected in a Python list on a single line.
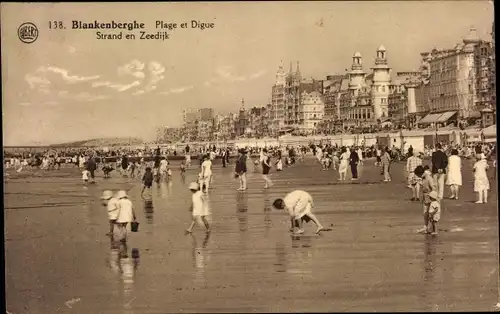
[(59, 259)]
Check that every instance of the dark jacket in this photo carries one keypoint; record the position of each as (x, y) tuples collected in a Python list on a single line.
[(354, 158), (439, 161), (241, 165), (91, 165)]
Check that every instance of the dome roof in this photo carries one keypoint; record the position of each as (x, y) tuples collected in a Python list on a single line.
[(381, 48), (472, 37), (357, 54)]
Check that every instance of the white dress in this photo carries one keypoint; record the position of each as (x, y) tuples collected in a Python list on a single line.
[(344, 159), (454, 173), (198, 203), (481, 181), (298, 203)]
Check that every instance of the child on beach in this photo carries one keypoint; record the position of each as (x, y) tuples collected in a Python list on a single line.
[(85, 175), (147, 180), (299, 205), (111, 202), (183, 168), (106, 168), (434, 212), (125, 215), (198, 207), (481, 182), (279, 165), (428, 185)]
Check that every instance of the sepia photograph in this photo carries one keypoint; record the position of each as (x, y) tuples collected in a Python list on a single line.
[(250, 157)]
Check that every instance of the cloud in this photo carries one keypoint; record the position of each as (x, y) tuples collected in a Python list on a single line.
[(71, 49), (226, 72), (258, 74), (65, 75), (84, 96), (134, 68), (155, 74), (116, 86), (178, 90), (35, 81), (25, 104)]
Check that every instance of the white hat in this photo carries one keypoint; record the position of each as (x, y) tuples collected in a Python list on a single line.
[(483, 156), (194, 186), (106, 195), (121, 194), (433, 195)]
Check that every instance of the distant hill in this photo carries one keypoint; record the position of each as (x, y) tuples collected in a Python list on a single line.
[(114, 141)]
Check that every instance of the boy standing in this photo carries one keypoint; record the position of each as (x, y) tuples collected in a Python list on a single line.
[(147, 180), (428, 185), (434, 212)]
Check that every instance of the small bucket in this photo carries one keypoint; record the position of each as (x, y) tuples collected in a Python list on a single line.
[(134, 226)]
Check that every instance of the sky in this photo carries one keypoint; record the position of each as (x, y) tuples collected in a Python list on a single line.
[(68, 85)]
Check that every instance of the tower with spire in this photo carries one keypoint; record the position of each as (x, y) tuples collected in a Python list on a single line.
[(380, 86), (356, 75), (280, 75), (298, 76)]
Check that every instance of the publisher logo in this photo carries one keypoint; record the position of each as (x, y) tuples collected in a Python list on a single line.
[(27, 32)]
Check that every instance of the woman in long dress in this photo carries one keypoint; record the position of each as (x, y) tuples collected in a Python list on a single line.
[(344, 161), (454, 174)]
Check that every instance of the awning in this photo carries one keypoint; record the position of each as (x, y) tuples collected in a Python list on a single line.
[(446, 116), (491, 130), (430, 118)]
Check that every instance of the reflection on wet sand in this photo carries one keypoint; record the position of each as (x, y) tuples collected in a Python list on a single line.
[(241, 211), (281, 262), (125, 265), (362, 265), (300, 256), (201, 257), (267, 214), (164, 189), (149, 211), (431, 285)]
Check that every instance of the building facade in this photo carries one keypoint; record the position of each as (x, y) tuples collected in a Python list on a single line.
[(402, 98), (483, 64), (451, 76), (311, 112), (364, 103), (277, 113)]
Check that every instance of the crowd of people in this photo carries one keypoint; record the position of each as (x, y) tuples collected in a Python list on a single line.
[(427, 183)]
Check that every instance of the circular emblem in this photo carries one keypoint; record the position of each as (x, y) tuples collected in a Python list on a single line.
[(27, 32)]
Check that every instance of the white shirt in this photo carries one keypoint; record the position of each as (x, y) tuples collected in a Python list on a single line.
[(163, 164), (212, 155), (112, 208), (207, 168), (85, 174), (296, 202), (198, 204), (125, 211)]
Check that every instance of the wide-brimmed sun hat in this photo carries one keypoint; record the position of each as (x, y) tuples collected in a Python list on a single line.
[(193, 186), (433, 195), (121, 194), (106, 195)]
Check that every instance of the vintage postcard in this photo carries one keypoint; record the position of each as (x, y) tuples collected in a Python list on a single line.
[(250, 157)]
